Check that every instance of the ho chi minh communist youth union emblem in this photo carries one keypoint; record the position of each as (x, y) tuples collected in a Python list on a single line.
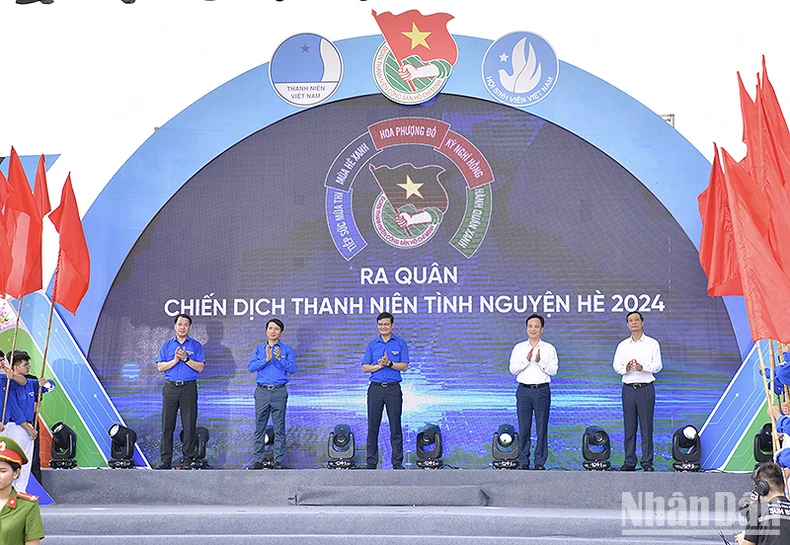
[(416, 58), (412, 201)]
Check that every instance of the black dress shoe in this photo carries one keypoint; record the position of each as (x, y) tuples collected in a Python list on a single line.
[(398, 466), (524, 466), (370, 467), (648, 468), (164, 465), (256, 465), (540, 467), (627, 467)]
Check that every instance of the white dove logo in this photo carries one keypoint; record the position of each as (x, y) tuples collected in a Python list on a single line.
[(526, 70)]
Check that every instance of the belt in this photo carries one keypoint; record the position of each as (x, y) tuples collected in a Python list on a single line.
[(637, 385), (541, 385), (272, 387), (179, 382), (385, 384)]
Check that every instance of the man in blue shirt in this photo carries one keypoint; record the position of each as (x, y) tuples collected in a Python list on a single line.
[(273, 361), (385, 357), (180, 359), (21, 411)]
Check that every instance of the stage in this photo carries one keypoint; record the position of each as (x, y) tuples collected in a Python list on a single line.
[(390, 507)]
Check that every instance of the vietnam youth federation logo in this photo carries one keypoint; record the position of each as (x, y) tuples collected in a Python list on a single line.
[(416, 58), (520, 69), (306, 69), (412, 200)]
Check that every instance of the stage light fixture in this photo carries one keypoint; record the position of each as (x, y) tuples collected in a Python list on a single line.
[(64, 447), (686, 449), (128, 1), (34, 1), (504, 447), (122, 448), (596, 449), (340, 447), (763, 445), (268, 448), (429, 447), (201, 441)]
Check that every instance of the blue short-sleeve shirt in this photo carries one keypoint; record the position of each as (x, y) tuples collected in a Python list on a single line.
[(181, 371), (397, 351)]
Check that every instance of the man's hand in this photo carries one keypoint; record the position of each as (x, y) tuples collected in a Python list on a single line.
[(277, 352), (31, 431), (786, 408), (774, 412), (268, 353), (537, 356), (384, 360), (2, 426), (181, 354)]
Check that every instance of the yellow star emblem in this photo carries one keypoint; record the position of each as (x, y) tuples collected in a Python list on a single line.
[(2, 445), (411, 188), (417, 37)]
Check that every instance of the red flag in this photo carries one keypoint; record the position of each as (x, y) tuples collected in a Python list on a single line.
[(40, 190), (23, 222), (74, 264), (6, 259), (717, 243), (766, 288), (748, 112), (773, 113), (412, 33)]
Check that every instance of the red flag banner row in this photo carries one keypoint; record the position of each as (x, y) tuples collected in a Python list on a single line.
[(21, 228), (745, 211)]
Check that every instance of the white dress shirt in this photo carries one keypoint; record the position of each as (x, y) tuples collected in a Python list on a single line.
[(529, 371), (646, 351)]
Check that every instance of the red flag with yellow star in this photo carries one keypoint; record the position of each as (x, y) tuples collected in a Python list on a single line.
[(407, 184), (412, 33)]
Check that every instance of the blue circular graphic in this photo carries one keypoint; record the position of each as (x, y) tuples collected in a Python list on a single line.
[(520, 69), (306, 69)]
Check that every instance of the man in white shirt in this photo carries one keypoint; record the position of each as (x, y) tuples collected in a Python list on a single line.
[(533, 362), (637, 358)]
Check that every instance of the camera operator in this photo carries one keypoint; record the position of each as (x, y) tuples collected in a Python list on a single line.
[(768, 516)]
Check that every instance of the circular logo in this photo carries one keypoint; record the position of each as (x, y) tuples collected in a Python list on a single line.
[(412, 82), (306, 69), (520, 69)]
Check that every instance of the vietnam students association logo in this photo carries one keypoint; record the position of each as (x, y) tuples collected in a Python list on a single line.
[(520, 69), (412, 200), (416, 58)]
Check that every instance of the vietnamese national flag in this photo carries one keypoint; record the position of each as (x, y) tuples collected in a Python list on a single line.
[(40, 190), (23, 221), (6, 259), (766, 288), (74, 265), (407, 184), (717, 242), (412, 33)]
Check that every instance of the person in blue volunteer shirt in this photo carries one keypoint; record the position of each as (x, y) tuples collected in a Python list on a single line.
[(272, 362), (21, 412), (385, 358), (180, 359)]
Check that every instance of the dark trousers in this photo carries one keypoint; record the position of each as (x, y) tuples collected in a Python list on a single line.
[(638, 405), (379, 397), (529, 401), (175, 398), (270, 402)]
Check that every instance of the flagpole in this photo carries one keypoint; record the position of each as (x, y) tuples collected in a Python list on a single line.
[(43, 365), (11, 361), (774, 436)]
